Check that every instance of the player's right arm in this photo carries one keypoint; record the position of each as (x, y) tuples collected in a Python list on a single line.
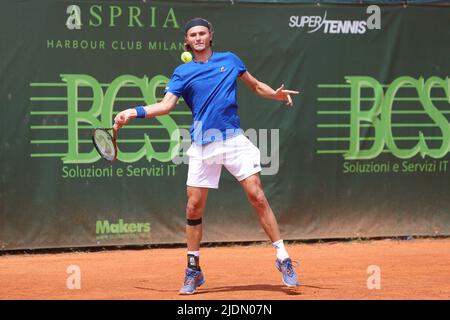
[(158, 109)]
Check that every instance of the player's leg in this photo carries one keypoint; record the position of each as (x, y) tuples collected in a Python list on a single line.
[(201, 176), (255, 194), (253, 188), (243, 162), (196, 202)]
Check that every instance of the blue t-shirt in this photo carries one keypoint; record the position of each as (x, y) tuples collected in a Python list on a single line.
[(210, 90)]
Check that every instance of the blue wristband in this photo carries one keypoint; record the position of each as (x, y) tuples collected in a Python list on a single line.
[(140, 112)]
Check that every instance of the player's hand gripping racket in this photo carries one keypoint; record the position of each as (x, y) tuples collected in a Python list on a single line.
[(105, 142)]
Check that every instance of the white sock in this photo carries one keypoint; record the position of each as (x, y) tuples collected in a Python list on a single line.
[(194, 253), (281, 250)]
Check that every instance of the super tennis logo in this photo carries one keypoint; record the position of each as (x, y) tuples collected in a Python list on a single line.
[(408, 118), (338, 26)]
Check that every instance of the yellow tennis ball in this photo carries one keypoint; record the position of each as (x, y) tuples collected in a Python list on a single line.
[(186, 57)]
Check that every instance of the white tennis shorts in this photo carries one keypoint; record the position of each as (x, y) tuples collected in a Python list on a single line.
[(239, 156)]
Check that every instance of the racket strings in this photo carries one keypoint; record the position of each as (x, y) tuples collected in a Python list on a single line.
[(104, 144)]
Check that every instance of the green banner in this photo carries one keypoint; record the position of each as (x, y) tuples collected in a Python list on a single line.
[(363, 152)]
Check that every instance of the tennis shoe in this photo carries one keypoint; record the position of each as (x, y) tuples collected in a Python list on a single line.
[(192, 280), (288, 274)]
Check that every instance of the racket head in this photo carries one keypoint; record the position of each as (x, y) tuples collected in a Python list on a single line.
[(105, 143)]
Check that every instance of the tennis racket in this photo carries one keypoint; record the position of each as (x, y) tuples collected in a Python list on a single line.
[(105, 143)]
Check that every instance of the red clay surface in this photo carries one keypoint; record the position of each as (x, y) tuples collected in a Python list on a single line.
[(415, 269)]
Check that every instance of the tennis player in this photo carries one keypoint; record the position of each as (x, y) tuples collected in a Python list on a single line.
[(208, 86)]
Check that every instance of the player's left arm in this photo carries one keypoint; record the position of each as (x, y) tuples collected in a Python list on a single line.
[(265, 91)]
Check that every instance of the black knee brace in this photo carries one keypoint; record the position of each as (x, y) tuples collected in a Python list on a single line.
[(194, 222)]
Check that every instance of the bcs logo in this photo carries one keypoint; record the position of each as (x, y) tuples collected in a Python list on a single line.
[(379, 116)]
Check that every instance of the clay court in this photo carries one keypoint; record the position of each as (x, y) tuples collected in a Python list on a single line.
[(409, 269)]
